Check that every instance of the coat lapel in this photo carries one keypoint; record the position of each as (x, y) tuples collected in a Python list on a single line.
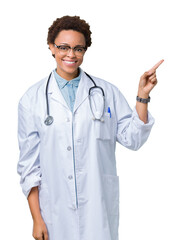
[(82, 91), (55, 93)]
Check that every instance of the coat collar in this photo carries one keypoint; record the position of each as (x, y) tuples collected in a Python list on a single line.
[(82, 91), (63, 82)]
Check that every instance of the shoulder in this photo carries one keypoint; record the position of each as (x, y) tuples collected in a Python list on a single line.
[(32, 93)]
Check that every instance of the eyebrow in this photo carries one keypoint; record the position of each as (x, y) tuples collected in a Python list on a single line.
[(69, 45)]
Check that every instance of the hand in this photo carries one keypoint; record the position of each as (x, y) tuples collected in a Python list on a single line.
[(40, 230), (148, 81)]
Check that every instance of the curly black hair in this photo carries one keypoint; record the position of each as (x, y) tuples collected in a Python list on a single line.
[(69, 23)]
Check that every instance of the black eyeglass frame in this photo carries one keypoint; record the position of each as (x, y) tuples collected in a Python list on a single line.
[(73, 48)]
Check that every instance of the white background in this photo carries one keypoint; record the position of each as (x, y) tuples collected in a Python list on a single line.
[(128, 37)]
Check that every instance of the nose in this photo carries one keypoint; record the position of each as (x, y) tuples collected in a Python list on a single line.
[(71, 53)]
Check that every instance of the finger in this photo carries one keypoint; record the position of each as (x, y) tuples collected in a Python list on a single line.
[(45, 235), (38, 238), (153, 69), (157, 65), (155, 83), (154, 80), (146, 75), (152, 76)]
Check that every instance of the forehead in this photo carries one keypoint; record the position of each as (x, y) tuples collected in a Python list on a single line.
[(70, 37)]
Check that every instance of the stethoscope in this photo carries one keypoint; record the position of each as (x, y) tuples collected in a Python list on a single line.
[(49, 119)]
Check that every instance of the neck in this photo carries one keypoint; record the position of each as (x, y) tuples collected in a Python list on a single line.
[(68, 76)]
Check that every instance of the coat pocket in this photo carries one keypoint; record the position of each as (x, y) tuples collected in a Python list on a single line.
[(44, 201), (111, 193), (105, 130)]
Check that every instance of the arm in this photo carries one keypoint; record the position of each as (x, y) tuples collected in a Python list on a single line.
[(132, 133), (28, 165), (133, 127), (33, 200), (39, 227), (147, 82)]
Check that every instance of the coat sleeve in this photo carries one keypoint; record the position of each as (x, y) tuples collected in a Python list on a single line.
[(28, 166), (131, 131)]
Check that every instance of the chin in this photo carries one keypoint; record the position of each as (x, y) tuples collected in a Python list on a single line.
[(67, 71), (70, 71)]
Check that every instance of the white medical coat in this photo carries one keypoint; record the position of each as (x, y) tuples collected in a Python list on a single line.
[(73, 160)]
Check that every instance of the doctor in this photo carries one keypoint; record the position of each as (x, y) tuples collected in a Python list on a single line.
[(68, 167)]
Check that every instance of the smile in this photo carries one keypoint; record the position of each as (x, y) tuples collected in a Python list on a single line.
[(69, 62)]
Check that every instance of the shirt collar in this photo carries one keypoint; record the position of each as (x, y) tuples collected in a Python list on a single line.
[(63, 82)]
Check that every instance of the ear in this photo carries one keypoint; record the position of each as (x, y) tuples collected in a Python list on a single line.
[(52, 48)]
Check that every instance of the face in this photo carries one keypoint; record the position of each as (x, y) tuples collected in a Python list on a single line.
[(68, 63)]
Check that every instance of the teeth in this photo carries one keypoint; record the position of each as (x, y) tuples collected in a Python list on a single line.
[(69, 62)]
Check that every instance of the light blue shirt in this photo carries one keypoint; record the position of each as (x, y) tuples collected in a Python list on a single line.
[(68, 88)]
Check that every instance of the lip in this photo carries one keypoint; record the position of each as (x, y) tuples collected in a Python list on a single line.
[(69, 62)]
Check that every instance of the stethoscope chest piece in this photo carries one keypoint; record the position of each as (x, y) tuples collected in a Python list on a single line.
[(99, 119), (49, 120)]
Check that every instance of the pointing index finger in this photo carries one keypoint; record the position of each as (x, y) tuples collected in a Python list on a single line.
[(156, 66)]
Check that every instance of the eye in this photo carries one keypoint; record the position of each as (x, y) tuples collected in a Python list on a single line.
[(79, 49), (63, 48)]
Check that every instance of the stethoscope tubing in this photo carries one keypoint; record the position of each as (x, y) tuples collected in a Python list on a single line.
[(47, 103), (49, 119)]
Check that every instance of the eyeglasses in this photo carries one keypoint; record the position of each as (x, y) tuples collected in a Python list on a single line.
[(78, 50)]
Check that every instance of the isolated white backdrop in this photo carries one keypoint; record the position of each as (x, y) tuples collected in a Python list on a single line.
[(128, 37)]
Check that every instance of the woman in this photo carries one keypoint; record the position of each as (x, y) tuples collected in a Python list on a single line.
[(67, 162)]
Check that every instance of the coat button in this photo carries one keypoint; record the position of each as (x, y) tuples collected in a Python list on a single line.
[(69, 148), (70, 177), (67, 120)]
